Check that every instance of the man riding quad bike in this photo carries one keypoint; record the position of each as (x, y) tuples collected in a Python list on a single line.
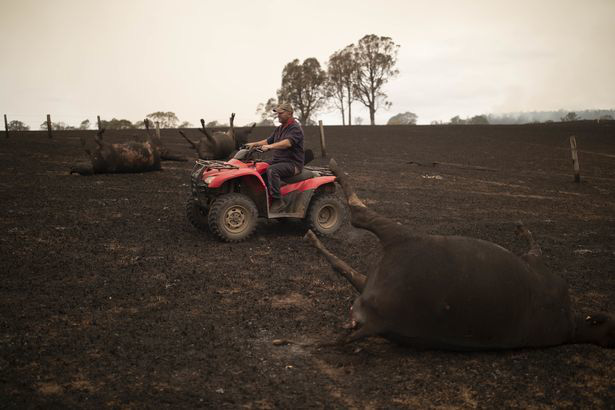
[(228, 196)]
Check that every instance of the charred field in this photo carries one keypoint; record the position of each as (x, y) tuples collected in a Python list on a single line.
[(109, 297)]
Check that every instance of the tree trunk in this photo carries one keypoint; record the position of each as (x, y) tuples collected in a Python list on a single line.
[(372, 115), (343, 115), (349, 106), (349, 112)]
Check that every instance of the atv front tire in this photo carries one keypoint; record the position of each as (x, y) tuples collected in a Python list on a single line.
[(195, 214), (232, 217), (326, 214)]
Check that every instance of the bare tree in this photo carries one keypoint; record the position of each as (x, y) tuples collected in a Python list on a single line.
[(303, 85), (341, 71), (376, 58)]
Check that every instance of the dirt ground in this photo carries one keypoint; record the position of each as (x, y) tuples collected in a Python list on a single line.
[(110, 298)]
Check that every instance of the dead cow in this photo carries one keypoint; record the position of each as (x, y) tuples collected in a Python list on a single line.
[(163, 151), (459, 293), (131, 156), (220, 145)]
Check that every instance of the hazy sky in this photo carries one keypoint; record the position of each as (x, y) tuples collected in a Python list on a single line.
[(75, 59)]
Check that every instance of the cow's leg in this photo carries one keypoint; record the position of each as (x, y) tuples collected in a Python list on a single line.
[(87, 151), (189, 140), (385, 229), (535, 253), (355, 278)]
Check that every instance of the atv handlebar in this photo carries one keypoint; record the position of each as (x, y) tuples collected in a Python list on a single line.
[(246, 152), (252, 148)]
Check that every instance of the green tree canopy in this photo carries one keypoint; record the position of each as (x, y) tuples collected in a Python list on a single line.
[(117, 124), (214, 123), (478, 119), (17, 125), (406, 118), (58, 126), (303, 85), (457, 120), (265, 110), (571, 116), (166, 119), (376, 58), (267, 122), (85, 124)]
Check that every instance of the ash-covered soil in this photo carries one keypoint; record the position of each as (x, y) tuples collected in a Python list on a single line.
[(110, 298)]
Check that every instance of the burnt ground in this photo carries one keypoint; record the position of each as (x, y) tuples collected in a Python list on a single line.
[(109, 297)]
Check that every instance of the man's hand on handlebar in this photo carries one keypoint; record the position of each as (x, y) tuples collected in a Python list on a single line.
[(252, 146)]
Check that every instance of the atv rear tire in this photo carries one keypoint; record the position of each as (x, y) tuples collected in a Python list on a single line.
[(232, 217), (195, 214), (326, 214)]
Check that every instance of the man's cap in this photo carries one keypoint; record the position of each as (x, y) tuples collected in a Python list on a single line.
[(283, 107)]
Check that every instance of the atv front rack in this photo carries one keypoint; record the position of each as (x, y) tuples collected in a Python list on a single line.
[(214, 164)]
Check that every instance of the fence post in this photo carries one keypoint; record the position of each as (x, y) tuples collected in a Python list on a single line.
[(575, 159), (6, 126), (158, 130), (98, 121), (49, 125), (323, 148)]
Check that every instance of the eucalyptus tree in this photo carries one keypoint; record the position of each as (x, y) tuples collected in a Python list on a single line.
[(303, 85), (375, 58), (341, 70)]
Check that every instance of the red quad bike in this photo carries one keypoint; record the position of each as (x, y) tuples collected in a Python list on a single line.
[(229, 196)]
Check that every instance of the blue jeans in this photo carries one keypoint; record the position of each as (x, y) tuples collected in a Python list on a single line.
[(274, 173)]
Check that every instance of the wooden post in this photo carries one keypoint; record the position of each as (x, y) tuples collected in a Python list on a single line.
[(158, 130), (98, 122), (49, 125), (323, 148), (6, 126), (575, 159)]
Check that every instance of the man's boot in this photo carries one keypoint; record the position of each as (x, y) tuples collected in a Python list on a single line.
[(277, 205)]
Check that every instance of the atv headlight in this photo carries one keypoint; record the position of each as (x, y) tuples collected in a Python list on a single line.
[(208, 180)]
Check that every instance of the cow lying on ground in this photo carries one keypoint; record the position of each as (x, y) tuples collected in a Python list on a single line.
[(220, 145), (459, 293), (131, 156), (163, 151)]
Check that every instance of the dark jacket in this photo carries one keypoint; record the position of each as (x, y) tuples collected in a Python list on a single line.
[(293, 132)]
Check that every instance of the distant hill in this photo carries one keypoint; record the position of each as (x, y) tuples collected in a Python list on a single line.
[(544, 116)]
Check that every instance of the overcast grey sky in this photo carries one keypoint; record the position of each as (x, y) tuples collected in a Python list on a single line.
[(205, 59)]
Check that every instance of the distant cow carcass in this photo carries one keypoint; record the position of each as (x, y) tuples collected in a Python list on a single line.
[(220, 145), (164, 152), (132, 156), (459, 293)]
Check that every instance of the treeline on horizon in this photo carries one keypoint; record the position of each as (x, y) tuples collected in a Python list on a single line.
[(170, 120), (550, 116)]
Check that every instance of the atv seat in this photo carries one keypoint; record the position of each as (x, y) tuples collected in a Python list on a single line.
[(302, 176)]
